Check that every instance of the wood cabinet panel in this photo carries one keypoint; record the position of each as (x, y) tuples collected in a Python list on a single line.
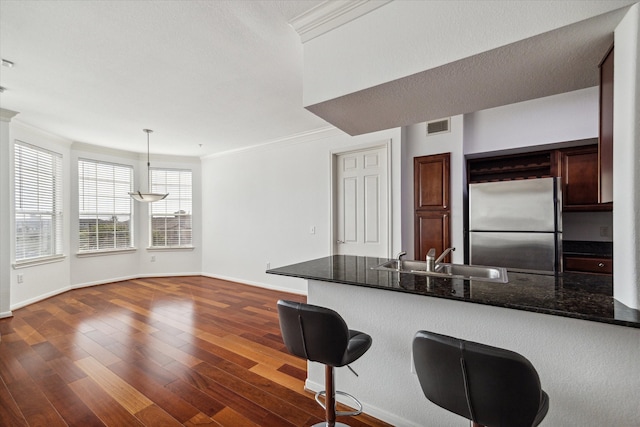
[(588, 265), (431, 181), (579, 171), (431, 231)]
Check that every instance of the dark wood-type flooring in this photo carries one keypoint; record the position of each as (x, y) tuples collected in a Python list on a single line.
[(190, 351)]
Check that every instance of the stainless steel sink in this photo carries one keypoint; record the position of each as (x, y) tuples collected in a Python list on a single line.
[(457, 271), (402, 266)]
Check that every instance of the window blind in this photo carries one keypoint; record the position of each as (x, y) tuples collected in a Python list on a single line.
[(38, 202), (105, 206), (171, 217)]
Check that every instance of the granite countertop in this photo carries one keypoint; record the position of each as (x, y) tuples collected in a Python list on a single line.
[(587, 248), (580, 296)]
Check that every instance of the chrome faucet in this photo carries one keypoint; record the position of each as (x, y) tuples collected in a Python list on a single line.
[(432, 262), (399, 259)]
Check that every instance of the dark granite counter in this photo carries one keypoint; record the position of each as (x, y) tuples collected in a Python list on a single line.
[(580, 296), (587, 248)]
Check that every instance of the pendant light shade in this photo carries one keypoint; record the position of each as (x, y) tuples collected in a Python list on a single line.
[(147, 197)]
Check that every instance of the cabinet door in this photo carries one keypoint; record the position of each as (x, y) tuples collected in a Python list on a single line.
[(580, 179), (431, 181), (431, 231)]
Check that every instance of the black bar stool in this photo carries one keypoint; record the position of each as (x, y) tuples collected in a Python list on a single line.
[(321, 335), (490, 386)]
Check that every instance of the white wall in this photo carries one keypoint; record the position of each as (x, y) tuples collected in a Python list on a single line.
[(590, 370), (419, 144), (259, 205), (42, 281), (626, 159), (587, 226), (103, 268), (559, 118)]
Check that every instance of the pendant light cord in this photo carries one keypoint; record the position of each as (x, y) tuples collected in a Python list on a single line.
[(148, 131)]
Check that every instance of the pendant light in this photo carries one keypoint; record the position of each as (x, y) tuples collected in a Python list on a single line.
[(147, 197)]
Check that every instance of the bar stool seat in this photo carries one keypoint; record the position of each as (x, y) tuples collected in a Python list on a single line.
[(489, 386), (319, 334)]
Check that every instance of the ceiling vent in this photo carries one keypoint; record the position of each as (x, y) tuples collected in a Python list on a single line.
[(439, 126)]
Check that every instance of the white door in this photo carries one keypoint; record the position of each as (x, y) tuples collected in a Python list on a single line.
[(361, 225)]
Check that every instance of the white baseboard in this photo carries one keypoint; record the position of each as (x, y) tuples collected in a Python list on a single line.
[(40, 297), (256, 284), (6, 314), (367, 408), (95, 283), (143, 276)]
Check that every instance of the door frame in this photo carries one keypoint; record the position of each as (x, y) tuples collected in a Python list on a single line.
[(333, 193)]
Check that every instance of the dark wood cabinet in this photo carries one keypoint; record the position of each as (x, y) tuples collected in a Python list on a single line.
[(431, 204), (579, 172), (538, 164), (588, 264), (578, 166), (432, 231), (605, 154), (431, 182)]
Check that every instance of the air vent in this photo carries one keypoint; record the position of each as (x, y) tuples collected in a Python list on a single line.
[(438, 126)]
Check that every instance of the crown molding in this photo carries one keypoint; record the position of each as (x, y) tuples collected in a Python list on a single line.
[(7, 115), (331, 14), (302, 137)]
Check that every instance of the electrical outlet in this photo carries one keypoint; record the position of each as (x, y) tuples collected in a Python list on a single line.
[(268, 266), (20, 278), (153, 258), (312, 230)]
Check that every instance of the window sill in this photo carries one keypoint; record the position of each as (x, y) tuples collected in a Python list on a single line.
[(171, 248), (105, 252), (38, 261)]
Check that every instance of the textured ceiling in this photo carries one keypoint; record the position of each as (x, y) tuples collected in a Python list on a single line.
[(224, 74), (555, 62)]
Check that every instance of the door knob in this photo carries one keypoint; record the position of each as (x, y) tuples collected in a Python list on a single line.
[(339, 242)]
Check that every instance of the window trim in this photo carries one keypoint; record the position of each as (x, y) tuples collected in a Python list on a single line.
[(38, 261)]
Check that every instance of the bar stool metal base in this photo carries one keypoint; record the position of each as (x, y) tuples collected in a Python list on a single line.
[(326, 424), (340, 413)]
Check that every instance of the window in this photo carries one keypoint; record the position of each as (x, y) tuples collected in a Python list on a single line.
[(38, 202), (105, 206), (171, 217)]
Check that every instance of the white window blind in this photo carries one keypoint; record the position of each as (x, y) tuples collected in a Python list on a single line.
[(171, 217), (105, 206), (38, 202)]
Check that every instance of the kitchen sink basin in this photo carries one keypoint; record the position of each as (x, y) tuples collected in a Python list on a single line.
[(456, 271)]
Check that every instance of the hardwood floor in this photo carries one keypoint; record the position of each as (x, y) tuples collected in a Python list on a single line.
[(190, 351)]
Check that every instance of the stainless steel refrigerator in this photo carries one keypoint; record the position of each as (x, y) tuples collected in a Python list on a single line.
[(516, 224)]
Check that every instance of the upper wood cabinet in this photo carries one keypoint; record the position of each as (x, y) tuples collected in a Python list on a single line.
[(431, 181), (606, 129), (578, 167), (579, 171)]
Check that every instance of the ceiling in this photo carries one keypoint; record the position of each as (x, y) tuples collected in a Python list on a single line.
[(554, 62), (206, 76), (215, 76)]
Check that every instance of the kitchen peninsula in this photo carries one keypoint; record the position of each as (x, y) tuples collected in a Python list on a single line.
[(584, 344)]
